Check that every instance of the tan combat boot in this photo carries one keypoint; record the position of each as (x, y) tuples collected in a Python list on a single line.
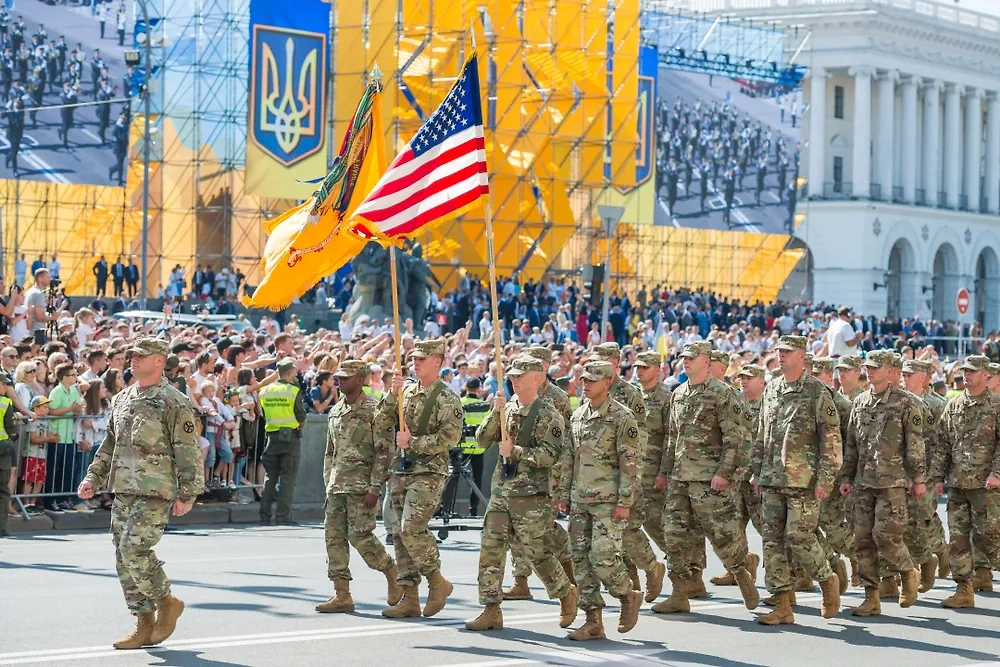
[(168, 610), (944, 566), (872, 606), (568, 608), (567, 566), (840, 569), (437, 596), (629, 614), (753, 560), (888, 589), (726, 579), (633, 574), (782, 614), (592, 629), (910, 582), (748, 589), (831, 596), (696, 586), (654, 580), (772, 600), (490, 619), (982, 582), (855, 571), (408, 605), (964, 597), (803, 582), (927, 572), (342, 603), (394, 592), (519, 591), (678, 602), (141, 635)]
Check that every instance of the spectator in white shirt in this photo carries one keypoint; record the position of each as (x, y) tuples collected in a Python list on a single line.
[(841, 339)]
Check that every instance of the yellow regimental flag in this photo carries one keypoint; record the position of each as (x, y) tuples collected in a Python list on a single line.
[(311, 241)]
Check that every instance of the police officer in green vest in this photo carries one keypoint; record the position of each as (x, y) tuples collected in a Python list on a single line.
[(8, 449), (474, 411), (284, 414)]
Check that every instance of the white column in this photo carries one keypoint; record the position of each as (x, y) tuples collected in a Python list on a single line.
[(952, 149), (973, 145), (817, 131), (909, 140), (861, 169), (932, 140), (993, 153), (886, 113)]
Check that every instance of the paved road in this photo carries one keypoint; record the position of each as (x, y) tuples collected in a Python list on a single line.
[(771, 214), (42, 154), (250, 594)]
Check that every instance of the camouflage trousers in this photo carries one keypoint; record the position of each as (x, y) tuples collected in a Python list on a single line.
[(836, 526), (635, 544), (973, 518), (749, 506), (789, 518), (924, 531), (656, 502), (415, 498), (348, 523), (596, 545), (523, 521), (136, 527), (694, 510), (556, 542), (879, 528)]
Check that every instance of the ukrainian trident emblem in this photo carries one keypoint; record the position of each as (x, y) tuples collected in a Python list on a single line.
[(287, 98)]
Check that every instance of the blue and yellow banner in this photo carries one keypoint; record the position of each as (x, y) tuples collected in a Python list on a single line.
[(287, 124)]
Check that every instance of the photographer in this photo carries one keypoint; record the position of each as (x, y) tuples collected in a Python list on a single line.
[(35, 300)]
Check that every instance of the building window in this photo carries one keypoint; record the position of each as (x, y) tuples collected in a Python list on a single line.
[(838, 174), (838, 102)]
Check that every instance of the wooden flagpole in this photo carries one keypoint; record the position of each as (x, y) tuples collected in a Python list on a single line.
[(397, 343)]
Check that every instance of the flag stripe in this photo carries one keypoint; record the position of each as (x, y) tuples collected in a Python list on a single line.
[(424, 211), (442, 184), (441, 210), (404, 163), (423, 167)]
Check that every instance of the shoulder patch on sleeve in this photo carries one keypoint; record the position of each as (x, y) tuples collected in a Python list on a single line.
[(557, 432), (189, 426), (737, 409), (633, 432), (916, 420), (832, 411)]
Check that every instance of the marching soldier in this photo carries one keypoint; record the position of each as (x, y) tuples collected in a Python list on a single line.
[(284, 413), (151, 460), (119, 135), (67, 99), (36, 87), (355, 468), (849, 375), (96, 66), (796, 457), (657, 400), (599, 475), (557, 538), (884, 449), (520, 508), (431, 426), (706, 449), (104, 111), (15, 131), (967, 462)]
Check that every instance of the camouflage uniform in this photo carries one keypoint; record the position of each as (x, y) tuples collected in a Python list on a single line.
[(149, 457), (798, 449), (520, 509), (967, 453), (356, 463), (657, 402), (884, 449), (750, 501), (706, 436), (599, 472), (419, 472)]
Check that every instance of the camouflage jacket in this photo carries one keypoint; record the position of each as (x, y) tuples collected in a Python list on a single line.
[(934, 404), (706, 433), (968, 449), (657, 401), (630, 396), (751, 415), (429, 452), (536, 461), (558, 398), (844, 406), (885, 440), (600, 463), (357, 448), (798, 435), (150, 449)]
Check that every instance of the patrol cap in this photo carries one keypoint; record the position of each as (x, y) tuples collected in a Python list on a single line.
[(897, 360), (173, 361), (849, 363), (147, 346), (916, 366), (975, 362), (993, 369), (648, 359), (539, 352), (697, 348), (822, 365), (809, 359), (285, 365), (425, 348), (879, 358), (751, 371), (791, 343), (350, 368), (608, 351), (719, 356), (525, 364), (597, 370)]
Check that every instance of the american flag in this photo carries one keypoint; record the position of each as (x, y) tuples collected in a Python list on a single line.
[(440, 174)]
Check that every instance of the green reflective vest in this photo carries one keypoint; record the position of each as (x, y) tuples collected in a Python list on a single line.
[(372, 392), (574, 402), (278, 403), (474, 412), (5, 404)]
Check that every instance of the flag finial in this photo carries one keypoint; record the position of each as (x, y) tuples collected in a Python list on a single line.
[(376, 76)]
